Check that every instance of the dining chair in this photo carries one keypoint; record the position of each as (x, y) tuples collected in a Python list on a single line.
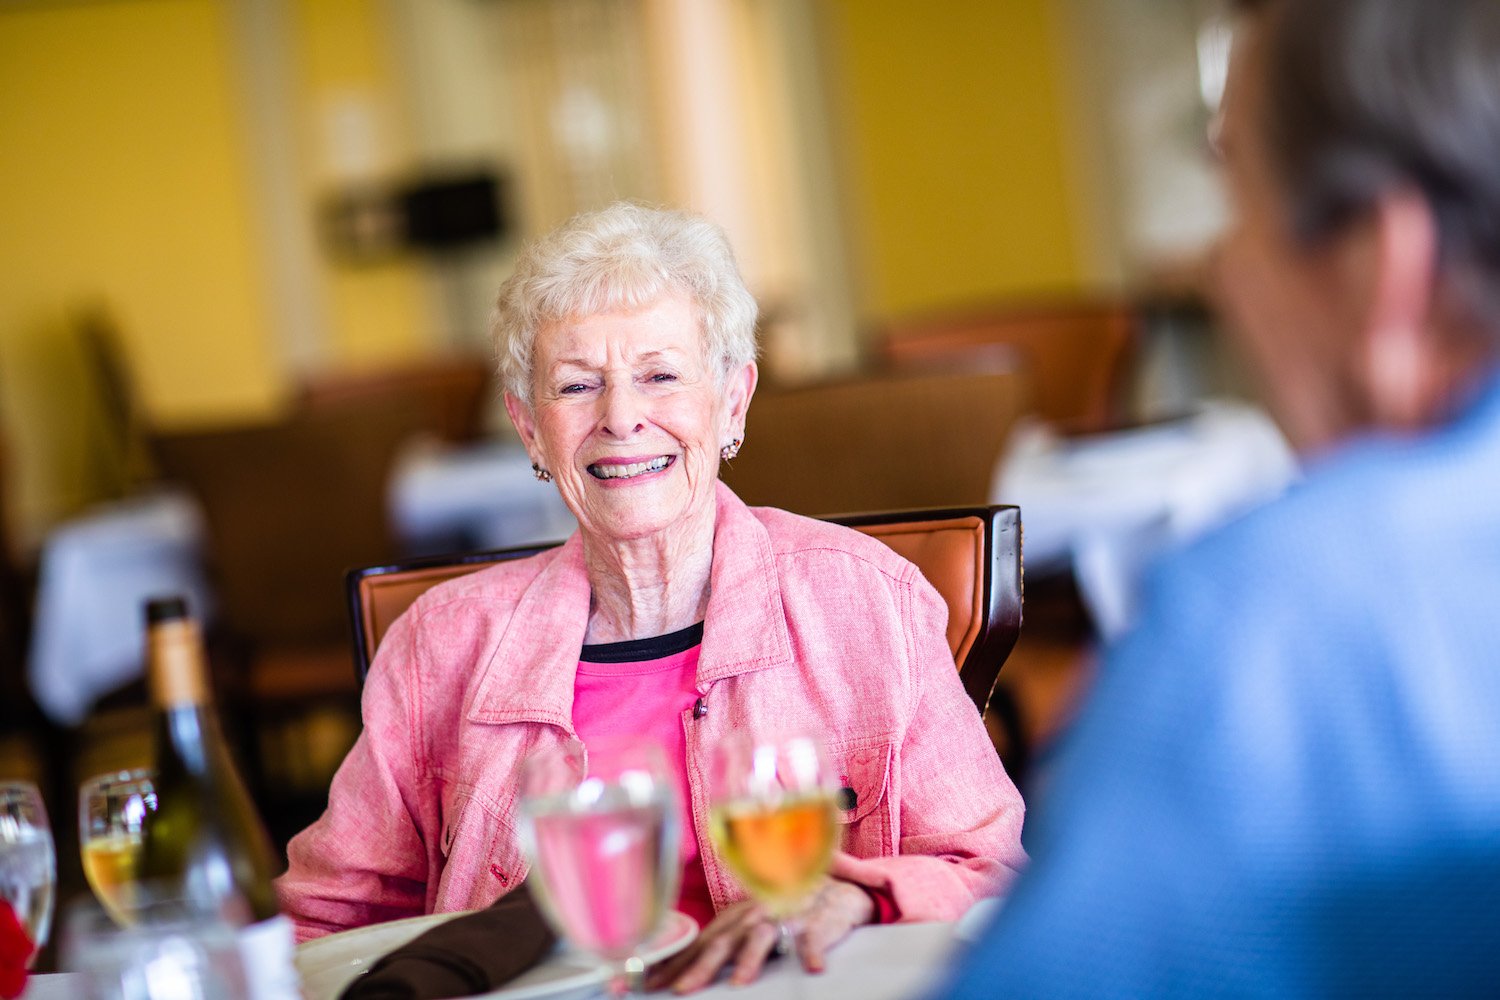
[(972, 555), (823, 448), (1077, 354)]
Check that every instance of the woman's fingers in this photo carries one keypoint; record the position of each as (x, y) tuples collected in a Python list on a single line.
[(706, 964), (697, 964), (745, 936), (759, 942), (839, 908)]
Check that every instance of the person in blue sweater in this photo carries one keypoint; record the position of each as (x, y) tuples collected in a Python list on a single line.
[(1286, 782)]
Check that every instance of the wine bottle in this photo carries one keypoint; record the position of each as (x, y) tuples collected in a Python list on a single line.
[(205, 839)]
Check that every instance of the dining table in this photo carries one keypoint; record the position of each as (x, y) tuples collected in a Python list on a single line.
[(889, 962)]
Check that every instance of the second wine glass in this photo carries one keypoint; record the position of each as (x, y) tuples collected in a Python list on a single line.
[(774, 820), (112, 811)]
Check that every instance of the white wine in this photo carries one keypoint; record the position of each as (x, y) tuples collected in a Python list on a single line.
[(112, 866), (778, 850), (205, 838)]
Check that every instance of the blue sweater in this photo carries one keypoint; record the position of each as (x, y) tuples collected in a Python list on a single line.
[(1287, 780)]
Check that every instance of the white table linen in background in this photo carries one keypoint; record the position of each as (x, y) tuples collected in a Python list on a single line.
[(97, 571), (1106, 505), (485, 493), (94, 577)]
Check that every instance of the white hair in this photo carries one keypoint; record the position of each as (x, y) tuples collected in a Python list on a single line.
[(626, 256)]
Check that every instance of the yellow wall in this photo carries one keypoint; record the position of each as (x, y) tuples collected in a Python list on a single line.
[(952, 139), (125, 181), (121, 183), (342, 50)]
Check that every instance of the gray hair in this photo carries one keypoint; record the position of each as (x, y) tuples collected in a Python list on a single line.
[(1368, 96), (625, 256)]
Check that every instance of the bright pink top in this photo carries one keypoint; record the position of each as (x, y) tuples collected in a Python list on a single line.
[(648, 699)]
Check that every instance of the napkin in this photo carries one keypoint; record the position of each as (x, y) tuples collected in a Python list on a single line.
[(467, 955)]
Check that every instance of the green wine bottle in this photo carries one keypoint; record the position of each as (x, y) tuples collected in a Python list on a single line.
[(205, 839)]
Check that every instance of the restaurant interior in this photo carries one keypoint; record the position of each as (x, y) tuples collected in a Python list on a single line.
[(249, 250)]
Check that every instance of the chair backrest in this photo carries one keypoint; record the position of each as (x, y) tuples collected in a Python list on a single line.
[(832, 446), (288, 504), (972, 555), (1076, 355)]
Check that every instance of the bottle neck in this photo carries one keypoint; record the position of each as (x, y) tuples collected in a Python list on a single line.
[(178, 674)]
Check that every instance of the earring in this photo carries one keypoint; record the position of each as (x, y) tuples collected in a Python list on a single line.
[(731, 449), (541, 474)]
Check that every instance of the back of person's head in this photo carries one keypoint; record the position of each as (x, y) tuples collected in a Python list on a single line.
[(1364, 97)]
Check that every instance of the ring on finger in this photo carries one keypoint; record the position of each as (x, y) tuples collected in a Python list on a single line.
[(785, 940)]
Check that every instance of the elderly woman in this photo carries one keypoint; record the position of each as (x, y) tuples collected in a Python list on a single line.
[(626, 343)]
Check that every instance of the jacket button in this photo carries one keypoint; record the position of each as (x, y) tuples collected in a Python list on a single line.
[(700, 708), (848, 798)]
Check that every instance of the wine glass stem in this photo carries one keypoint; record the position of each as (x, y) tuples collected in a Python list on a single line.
[(786, 939), (629, 978)]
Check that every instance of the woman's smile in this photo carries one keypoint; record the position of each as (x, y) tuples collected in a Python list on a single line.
[(629, 471)]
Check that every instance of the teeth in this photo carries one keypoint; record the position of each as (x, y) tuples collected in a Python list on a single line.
[(628, 471)]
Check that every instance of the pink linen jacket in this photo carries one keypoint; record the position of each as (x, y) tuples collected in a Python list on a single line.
[(810, 626)]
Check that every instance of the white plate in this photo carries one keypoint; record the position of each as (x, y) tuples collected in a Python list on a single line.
[(329, 964)]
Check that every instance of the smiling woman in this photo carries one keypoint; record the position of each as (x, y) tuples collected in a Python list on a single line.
[(675, 614)]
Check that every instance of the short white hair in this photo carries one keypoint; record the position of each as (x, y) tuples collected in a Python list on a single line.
[(626, 256)]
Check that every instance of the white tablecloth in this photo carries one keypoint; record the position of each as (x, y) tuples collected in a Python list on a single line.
[(483, 495), (898, 962), (1108, 504), (96, 572), (94, 576)]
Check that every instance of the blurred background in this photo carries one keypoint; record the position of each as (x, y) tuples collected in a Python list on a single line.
[(248, 247)]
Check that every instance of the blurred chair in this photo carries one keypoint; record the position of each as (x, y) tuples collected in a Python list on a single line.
[(449, 392), (121, 437), (972, 555), (923, 439), (1077, 355), (288, 507)]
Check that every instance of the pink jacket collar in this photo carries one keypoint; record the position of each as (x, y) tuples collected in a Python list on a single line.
[(528, 674)]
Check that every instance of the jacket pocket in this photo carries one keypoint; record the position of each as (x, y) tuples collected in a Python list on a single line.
[(482, 857), (864, 798)]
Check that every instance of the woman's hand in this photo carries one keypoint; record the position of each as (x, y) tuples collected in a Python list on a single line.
[(745, 934)]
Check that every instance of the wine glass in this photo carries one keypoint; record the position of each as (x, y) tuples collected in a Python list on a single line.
[(112, 811), (774, 820), (600, 827), (28, 860)]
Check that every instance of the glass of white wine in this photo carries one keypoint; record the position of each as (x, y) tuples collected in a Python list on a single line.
[(28, 860), (112, 813), (774, 820), (603, 843)]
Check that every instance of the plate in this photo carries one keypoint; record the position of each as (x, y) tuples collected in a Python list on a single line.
[(328, 964)]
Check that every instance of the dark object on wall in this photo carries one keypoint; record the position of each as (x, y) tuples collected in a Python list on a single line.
[(452, 212)]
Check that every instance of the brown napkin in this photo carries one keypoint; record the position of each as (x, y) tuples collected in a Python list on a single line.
[(464, 956)]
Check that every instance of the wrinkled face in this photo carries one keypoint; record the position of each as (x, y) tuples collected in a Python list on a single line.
[(629, 417), (1283, 298)]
